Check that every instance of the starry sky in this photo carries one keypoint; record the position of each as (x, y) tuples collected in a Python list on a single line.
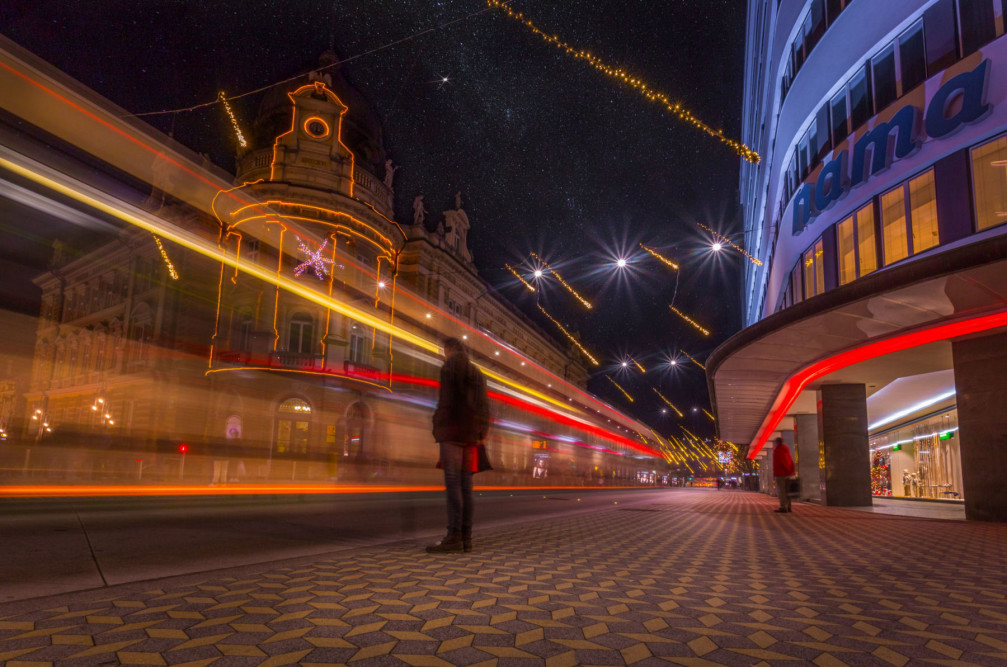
[(551, 156)]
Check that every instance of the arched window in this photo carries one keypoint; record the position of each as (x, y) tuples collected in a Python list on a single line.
[(301, 338)]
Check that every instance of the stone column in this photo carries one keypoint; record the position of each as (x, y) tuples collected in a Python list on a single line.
[(807, 457), (981, 384), (842, 429)]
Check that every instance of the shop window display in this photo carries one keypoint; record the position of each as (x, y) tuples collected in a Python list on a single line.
[(923, 458), (881, 474)]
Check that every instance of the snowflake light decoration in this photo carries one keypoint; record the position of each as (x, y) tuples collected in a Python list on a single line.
[(314, 260)]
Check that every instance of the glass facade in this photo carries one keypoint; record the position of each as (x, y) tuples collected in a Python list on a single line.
[(923, 459), (989, 179)]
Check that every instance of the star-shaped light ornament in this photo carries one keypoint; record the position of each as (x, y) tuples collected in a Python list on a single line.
[(314, 260)]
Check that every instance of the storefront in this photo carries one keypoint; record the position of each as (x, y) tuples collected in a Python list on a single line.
[(919, 459)]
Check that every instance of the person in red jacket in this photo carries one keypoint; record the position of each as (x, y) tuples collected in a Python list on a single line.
[(783, 470)]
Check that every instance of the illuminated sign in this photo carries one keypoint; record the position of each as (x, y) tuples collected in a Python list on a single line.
[(878, 148)]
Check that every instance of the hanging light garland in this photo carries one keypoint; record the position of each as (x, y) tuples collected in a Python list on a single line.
[(661, 258), (723, 239), (669, 403), (518, 276), (167, 260), (619, 387), (691, 321), (562, 282), (637, 364), (707, 413), (692, 358), (234, 120), (568, 335), (619, 74)]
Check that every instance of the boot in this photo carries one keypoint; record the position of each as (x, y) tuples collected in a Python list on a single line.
[(452, 543)]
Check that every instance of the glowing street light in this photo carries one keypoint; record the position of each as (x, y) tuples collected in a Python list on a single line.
[(621, 262), (538, 273), (717, 246)]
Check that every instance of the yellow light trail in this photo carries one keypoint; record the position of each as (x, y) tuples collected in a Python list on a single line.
[(564, 283), (619, 387), (692, 359), (619, 74), (670, 404), (660, 257), (691, 321), (518, 276), (569, 336), (723, 239), (234, 121), (167, 260)]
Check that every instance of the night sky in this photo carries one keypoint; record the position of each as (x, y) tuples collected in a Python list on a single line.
[(551, 156)]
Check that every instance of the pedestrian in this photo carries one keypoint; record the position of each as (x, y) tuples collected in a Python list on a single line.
[(783, 470), (461, 422)]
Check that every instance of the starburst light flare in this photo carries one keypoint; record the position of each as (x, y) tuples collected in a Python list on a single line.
[(692, 359), (619, 387), (568, 335), (669, 403), (619, 74), (562, 282), (167, 260), (518, 276), (314, 260), (661, 258), (690, 321), (725, 240), (234, 121)]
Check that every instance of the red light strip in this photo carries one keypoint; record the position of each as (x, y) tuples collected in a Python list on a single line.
[(796, 383)]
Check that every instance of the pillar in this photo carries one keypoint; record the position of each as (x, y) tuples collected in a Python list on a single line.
[(806, 428), (981, 384), (842, 430)]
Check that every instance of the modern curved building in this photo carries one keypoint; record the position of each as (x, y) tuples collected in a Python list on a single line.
[(875, 335)]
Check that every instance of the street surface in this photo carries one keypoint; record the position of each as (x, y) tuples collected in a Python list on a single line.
[(688, 576)]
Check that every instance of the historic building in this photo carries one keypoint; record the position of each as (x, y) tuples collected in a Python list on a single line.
[(290, 328), (874, 337)]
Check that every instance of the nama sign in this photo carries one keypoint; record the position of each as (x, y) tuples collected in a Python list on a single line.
[(895, 139)]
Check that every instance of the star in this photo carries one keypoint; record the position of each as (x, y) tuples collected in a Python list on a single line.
[(314, 260)]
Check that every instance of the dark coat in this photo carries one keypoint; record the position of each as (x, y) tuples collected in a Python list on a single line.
[(462, 413)]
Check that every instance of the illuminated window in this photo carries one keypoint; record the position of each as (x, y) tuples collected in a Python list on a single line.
[(847, 251), (867, 249), (893, 225), (814, 270), (989, 172), (819, 267), (923, 212)]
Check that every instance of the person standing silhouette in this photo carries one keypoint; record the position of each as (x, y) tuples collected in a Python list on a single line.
[(783, 470)]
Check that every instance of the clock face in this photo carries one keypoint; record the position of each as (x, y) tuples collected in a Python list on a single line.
[(316, 127)]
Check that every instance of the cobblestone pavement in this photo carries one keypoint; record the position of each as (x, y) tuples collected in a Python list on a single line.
[(695, 577)]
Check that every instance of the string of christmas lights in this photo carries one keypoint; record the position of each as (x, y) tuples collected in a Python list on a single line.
[(691, 321), (562, 282), (661, 258), (167, 260), (723, 239), (675, 108), (637, 364), (518, 276), (568, 335), (619, 387), (670, 404), (692, 358), (234, 121), (708, 414)]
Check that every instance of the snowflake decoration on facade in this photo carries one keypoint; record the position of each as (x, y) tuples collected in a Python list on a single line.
[(314, 260)]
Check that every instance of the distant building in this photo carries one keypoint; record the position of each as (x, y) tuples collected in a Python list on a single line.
[(875, 317)]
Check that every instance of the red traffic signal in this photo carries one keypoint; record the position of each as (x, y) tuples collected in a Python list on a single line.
[(183, 448)]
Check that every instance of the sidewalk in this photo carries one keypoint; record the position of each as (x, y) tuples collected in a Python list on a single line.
[(695, 577)]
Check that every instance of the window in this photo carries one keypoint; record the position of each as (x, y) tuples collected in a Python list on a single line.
[(976, 25), (940, 36), (820, 141), (923, 212), (814, 270), (847, 249), (989, 181), (883, 71), (815, 25), (867, 249), (301, 334), (840, 128), (251, 250), (358, 348), (912, 58), (795, 282), (860, 99), (893, 225), (819, 267), (901, 239)]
